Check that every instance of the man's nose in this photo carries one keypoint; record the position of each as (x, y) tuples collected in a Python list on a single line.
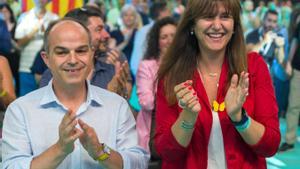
[(72, 58)]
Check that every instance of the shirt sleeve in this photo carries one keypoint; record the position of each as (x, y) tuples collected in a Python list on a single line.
[(127, 141), (165, 143), (265, 109), (16, 148), (145, 87)]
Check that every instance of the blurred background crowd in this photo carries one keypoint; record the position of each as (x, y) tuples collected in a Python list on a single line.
[(271, 28)]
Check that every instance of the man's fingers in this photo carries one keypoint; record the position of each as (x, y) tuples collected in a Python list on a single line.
[(77, 134), (67, 130), (83, 125), (68, 118)]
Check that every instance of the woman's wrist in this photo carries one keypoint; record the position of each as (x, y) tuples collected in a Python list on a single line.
[(189, 117)]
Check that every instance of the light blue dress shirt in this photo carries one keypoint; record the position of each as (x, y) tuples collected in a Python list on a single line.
[(31, 126)]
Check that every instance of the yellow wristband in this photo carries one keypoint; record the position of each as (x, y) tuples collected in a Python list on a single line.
[(3, 93), (103, 157), (105, 153)]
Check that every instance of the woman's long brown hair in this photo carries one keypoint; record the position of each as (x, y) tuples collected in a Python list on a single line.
[(181, 58)]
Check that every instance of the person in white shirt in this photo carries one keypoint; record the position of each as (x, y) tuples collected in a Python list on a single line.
[(29, 35)]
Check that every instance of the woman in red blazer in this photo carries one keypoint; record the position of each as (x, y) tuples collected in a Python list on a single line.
[(215, 104)]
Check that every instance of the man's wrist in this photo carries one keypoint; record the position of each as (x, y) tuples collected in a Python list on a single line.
[(59, 150), (103, 152)]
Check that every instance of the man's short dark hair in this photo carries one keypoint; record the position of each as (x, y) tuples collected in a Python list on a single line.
[(270, 11), (52, 24), (83, 14), (156, 8)]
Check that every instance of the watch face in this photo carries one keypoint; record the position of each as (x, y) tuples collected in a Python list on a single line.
[(106, 149)]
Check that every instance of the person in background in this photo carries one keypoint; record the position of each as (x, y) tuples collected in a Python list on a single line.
[(7, 92), (293, 70), (70, 123), (215, 104), (122, 38), (13, 56), (271, 41), (29, 35), (249, 19), (158, 10), (158, 40)]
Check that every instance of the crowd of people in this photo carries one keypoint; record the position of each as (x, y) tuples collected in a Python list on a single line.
[(149, 84)]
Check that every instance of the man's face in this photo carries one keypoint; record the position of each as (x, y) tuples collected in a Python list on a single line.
[(99, 34), (70, 55), (270, 22)]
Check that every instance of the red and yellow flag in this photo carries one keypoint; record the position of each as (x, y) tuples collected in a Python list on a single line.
[(60, 7)]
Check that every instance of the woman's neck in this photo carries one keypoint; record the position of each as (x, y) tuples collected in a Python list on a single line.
[(211, 61)]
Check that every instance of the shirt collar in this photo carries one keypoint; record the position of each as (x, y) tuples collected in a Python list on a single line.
[(50, 98)]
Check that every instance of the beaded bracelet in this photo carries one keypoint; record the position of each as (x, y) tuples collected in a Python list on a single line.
[(187, 126)]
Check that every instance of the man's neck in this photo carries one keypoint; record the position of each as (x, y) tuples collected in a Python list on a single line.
[(71, 96)]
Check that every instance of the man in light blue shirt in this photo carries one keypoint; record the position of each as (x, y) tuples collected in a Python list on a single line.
[(70, 123)]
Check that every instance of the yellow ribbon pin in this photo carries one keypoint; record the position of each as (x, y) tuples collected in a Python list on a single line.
[(218, 107)]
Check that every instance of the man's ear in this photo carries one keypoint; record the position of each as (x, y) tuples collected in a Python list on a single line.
[(45, 57)]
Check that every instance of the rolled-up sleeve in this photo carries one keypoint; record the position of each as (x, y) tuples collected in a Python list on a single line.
[(16, 148), (134, 157)]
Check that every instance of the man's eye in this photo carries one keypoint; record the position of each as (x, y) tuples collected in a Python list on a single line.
[(61, 52), (81, 51)]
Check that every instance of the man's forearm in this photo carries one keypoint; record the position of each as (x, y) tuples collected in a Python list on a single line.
[(49, 159)]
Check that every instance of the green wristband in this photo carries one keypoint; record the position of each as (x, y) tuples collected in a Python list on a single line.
[(186, 125)]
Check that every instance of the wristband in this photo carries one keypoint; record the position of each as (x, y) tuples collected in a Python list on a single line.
[(3, 93), (187, 125), (105, 153), (245, 122), (244, 126)]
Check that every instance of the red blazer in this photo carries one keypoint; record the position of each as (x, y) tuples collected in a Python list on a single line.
[(260, 105)]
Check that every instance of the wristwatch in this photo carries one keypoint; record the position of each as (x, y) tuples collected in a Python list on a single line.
[(105, 153)]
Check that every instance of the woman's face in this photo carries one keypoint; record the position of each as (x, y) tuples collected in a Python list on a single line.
[(129, 18), (214, 32), (166, 36), (5, 13)]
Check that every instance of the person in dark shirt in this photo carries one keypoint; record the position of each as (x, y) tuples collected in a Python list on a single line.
[(271, 42), (293, 69)]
